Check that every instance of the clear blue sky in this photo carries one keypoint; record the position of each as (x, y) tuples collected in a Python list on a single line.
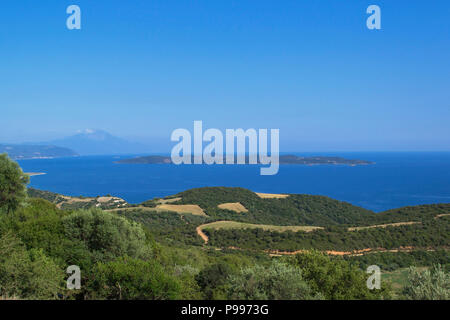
[(140, 69)]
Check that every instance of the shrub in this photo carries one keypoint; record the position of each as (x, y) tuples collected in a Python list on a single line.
[(279, 281), (131, 279), (27, 274), (431, 284), (107, 235)]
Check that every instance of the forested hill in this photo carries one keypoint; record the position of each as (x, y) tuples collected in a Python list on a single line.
[(291, 210), (219, 203), (300, 209)]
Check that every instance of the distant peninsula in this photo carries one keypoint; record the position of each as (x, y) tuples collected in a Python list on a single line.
[(284, 159), (25, 151)]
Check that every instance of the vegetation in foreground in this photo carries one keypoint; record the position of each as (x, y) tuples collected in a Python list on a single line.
[(131, 255)]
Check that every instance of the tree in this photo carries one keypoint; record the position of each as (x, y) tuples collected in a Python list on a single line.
[(106, 235), (27, 274), (12, 184), (212, 278), (336, 278), (279, 281), (431, 284), (131, 279)]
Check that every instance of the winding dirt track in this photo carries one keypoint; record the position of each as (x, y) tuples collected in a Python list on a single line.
[(348, 253), (205, 238), (343, 253), (395, 224), (202, 234), (360, 252)]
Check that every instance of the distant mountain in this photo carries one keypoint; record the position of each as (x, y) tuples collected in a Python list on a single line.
[(99, 142), (25, 151)]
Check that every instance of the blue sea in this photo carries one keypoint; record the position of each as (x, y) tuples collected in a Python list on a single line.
[(396, 179)]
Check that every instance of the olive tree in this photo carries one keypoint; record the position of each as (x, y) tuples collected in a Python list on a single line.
[(432, 284), (12, 184)]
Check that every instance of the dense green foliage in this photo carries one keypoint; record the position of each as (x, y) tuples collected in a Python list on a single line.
[(42, 194), (168, 227), (12, 184), (26, 273), (213, 279), (300, 209), (106, 235), (293, 210), (278, 281), (431, 284), (131, 279), (296, 209), (336, 278), (143, 254), (390, 261), (434, 233)]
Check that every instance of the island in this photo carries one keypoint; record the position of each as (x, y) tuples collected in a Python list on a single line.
[(284, 159)]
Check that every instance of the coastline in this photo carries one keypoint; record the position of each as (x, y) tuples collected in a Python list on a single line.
[(32, 174)]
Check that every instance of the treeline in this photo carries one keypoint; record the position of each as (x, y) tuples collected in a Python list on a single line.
[(433, 233)]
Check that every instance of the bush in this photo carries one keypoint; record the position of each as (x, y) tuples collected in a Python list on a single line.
[(107, 235), (27, 274), (431, 284), (131, 279), (336, 278), (212, 278), (279, 281)]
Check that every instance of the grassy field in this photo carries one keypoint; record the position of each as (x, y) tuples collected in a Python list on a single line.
[(233, 206), (271, 195), (182, 208), (398, 279), (177, 208)]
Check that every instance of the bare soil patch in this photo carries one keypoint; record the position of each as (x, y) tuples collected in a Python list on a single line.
[(182, 208), (271, 195), (233, 206), (396, 224)]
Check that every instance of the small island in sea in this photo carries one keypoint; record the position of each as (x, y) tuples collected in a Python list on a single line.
[(284, 159)]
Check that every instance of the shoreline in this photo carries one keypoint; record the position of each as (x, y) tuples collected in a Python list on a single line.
[(32, 174)]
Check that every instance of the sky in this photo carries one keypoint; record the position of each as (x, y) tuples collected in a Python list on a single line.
[(141, 69)]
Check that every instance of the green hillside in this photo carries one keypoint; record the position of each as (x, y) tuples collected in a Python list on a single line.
[(124, 244)]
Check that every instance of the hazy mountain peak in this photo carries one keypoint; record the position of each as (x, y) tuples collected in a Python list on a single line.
[(87, 131), (92, 134), (98, 142)]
